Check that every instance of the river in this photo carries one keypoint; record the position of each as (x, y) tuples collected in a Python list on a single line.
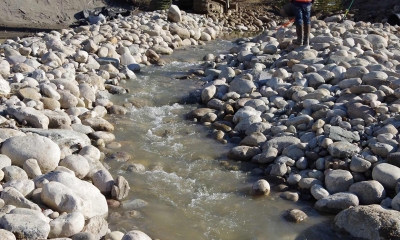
[(187, 191)]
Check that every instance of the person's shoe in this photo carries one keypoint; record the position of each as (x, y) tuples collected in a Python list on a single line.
[(306, 39), (299, 33)]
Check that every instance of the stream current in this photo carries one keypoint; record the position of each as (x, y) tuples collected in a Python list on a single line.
[(185, 192)]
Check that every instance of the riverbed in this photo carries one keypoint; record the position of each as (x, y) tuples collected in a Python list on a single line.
[(189, 190)]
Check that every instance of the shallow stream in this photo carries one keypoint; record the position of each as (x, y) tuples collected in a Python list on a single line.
[(187, 193)]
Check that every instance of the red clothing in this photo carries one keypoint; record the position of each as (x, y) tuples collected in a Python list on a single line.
[(301, 1)]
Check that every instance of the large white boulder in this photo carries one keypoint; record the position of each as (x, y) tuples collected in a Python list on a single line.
[(21, 148), (95, 203), (28, 226), (174, 14), (67, 225)]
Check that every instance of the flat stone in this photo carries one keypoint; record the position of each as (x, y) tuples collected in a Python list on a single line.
[(62, 137), (337, 202), (340, 134), (25, 225), (342, 149)]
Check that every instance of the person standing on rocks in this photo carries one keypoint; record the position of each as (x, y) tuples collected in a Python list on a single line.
[(302, 12)]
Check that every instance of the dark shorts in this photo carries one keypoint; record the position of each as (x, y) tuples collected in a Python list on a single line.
[(302, 13)]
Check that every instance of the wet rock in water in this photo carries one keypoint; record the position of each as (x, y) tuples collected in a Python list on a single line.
[(291, 196), (120, 189), (136, 167), (113, 203), (373, 222), (119, 156), (261, 187), (243, 153), (119, 110), (134, 204), (295, 215), (199, 113), (336, 202), (98, 124)]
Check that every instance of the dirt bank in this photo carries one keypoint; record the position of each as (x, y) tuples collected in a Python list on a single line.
[(27, 15)]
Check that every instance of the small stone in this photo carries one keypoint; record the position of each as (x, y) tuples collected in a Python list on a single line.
[(319, 192), (291, 196), (261, 187), (295, 215)]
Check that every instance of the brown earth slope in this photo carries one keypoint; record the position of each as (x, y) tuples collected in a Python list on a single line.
[(45, 14)]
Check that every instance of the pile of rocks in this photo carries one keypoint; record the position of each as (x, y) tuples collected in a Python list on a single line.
[(321, 122), (55, 90)]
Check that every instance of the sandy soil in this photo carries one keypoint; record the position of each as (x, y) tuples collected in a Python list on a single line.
[(17, 17)]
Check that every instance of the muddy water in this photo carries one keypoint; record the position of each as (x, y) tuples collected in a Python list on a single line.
[(185, 192)]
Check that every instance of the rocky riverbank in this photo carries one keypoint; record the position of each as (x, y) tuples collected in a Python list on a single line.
[(321, 122), (55, 90)]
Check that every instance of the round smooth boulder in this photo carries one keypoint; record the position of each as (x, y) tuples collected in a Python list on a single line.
[(67, 225), (76, 163), (21, 148), (387, 174), (261, 187), (62, 199), (368, 192), (135, 235), (336, 202), (6, 235), (338, 181)]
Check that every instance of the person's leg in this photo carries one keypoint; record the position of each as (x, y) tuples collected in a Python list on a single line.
[(298, 15), (307, 25)]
